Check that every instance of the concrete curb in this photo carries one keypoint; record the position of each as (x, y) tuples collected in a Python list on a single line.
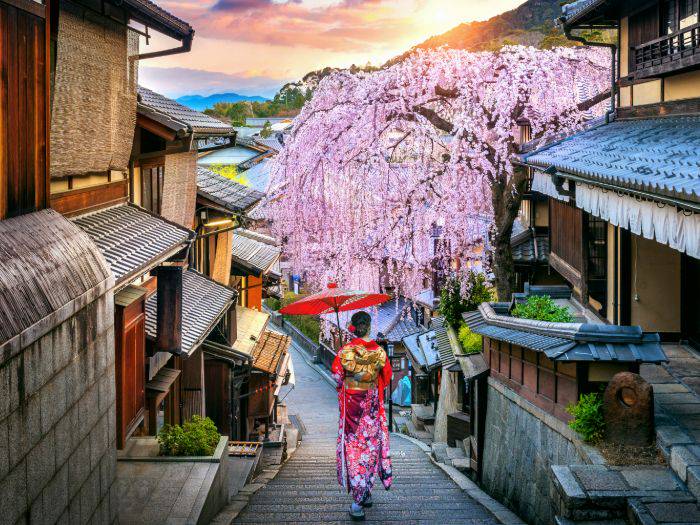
[(500, 511)]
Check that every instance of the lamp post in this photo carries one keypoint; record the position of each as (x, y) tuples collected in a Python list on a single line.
[(390, 355)]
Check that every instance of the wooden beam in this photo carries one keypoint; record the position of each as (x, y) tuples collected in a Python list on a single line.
[(156, 128), (689, 107), (27, 5), (73, 202)]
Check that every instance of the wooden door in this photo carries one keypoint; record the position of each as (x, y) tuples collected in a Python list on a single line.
[(24, 108), (130, 324), (218, 399)]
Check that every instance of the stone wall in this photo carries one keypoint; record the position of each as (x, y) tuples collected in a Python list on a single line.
[(57, 419), (521, 443), (447, 404)]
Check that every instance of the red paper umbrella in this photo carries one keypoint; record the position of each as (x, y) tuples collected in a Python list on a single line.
[(336, 300)]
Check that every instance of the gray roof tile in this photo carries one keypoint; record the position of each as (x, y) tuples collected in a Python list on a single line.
[(578, 342), (576, 9), (204, 302), (180, 117), (254, 250), (423, 350), (660, 156), (131, 239), (447, 356), (231, 195)]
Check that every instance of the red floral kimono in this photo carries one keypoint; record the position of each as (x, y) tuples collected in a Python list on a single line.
[(362, 371)]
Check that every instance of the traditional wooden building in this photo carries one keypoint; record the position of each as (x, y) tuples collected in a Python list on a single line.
[(222, 206), (168, 139), (67, 88), (256, 266), (624, 200)]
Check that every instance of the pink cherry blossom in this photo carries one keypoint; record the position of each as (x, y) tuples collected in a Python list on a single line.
[(376, 161)]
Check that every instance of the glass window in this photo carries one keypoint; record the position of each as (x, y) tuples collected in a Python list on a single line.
[(688, 13)]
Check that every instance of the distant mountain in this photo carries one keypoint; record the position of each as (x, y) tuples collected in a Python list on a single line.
[(200, 103), (531, 23)]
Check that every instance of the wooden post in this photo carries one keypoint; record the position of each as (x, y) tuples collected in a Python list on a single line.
[(169, 322)]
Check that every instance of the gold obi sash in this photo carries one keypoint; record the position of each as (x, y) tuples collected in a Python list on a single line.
[(358, 360), (351, 384)]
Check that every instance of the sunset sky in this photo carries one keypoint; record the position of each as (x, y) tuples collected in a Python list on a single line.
[(253, 47)]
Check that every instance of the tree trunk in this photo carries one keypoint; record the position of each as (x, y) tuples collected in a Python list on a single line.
[(506, 200), (503, 267)]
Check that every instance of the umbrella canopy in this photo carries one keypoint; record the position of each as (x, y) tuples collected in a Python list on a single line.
[(334, 299)]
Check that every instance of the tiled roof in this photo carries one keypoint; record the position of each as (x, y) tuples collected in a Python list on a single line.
[(131, 239), (254, 251), (179, 117), (427, 298), (578, 8), (233, 196), (165, 19), (258, 176), (423, 350), (567, 341), (442, 338), (204, 302), (272, 143), (249, 327), (270, 350), (530, 248), (659, 156)]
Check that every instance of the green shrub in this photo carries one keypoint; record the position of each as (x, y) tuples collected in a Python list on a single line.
[(197, 437), (309, 325), (542, 308), (471, 342), (457, 297), (588, 417), (273, 303)]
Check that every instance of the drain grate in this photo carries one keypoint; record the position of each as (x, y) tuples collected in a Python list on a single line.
[(296, 421)]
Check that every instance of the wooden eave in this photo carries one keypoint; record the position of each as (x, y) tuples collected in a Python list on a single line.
[(154, 127)]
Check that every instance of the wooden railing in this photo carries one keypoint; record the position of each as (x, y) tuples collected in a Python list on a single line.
[(668, 52)]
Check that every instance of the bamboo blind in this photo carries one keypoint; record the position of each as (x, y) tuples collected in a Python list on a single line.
[(180, 188), (94, 100)]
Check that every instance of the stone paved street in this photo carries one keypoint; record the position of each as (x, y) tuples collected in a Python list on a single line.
[(306, 490)]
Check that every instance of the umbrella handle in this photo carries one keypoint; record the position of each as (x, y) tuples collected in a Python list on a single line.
[(340, 330)]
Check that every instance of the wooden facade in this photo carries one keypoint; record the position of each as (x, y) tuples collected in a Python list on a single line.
[(566, 248), (664, 38), (24, 107), (130, 341)]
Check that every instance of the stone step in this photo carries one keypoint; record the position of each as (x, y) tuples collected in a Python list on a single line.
[(662, 512), (685, 462), (417, 433), (600, 492), (564, 521)]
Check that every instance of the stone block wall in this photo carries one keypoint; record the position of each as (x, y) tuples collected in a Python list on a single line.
[(521, 443), (57, 422)]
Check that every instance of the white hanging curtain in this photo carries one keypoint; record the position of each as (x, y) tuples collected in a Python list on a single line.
[(660, 222), (542, 183)]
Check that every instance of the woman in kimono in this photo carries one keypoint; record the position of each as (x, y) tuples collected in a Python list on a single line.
[(362, 371)]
